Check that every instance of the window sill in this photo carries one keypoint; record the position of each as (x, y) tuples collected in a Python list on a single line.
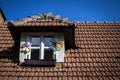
[(47, 63)]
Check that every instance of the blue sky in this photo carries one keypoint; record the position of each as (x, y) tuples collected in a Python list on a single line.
[(79, 10)]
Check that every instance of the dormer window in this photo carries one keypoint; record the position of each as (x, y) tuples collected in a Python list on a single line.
[(42, 49), (44, 38)]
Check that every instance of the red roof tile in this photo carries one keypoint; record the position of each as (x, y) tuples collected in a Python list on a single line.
[(97, 56)]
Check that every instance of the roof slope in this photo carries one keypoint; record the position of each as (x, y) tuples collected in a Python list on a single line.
[(97, 56), (2, 17)]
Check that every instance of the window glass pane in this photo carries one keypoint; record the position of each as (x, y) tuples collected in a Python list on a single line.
[(48, 54), (35, 54), (35, 41), (47, 41)]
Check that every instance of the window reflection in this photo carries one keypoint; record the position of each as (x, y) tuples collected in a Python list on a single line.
[(35, 41), (47, 41)]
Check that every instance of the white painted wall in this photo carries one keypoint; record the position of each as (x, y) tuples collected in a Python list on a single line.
[(61, 52), (21, 54)]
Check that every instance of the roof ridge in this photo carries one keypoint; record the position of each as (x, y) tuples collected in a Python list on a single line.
[(99, 21), (45, 15)]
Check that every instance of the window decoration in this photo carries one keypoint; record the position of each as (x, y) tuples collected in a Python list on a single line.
[(56, 44), (41, 48), (25, 47)]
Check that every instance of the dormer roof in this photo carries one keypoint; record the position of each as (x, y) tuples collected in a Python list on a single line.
[(45, 19)]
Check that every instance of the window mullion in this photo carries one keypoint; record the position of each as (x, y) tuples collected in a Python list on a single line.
[(42, 48)]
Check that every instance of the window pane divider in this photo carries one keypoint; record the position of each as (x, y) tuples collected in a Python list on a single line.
[(42, 48), (35, 47)]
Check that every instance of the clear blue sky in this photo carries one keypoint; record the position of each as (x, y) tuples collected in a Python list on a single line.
[(80, 10)]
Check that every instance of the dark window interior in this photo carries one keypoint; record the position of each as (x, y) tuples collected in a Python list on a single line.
[(48, 54), (35, 54)]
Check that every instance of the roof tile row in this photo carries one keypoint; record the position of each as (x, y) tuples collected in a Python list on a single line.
[(97, 56)]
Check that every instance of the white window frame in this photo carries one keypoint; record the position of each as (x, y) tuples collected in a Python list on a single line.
[(29, 35), (41, 47)]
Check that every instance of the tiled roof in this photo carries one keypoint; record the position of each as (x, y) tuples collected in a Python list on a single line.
[(97, 56), (2, 14), (6, 40)]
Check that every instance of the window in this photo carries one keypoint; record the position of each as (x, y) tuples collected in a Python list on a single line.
[(35, 41), (41, 48), (35, 48)]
